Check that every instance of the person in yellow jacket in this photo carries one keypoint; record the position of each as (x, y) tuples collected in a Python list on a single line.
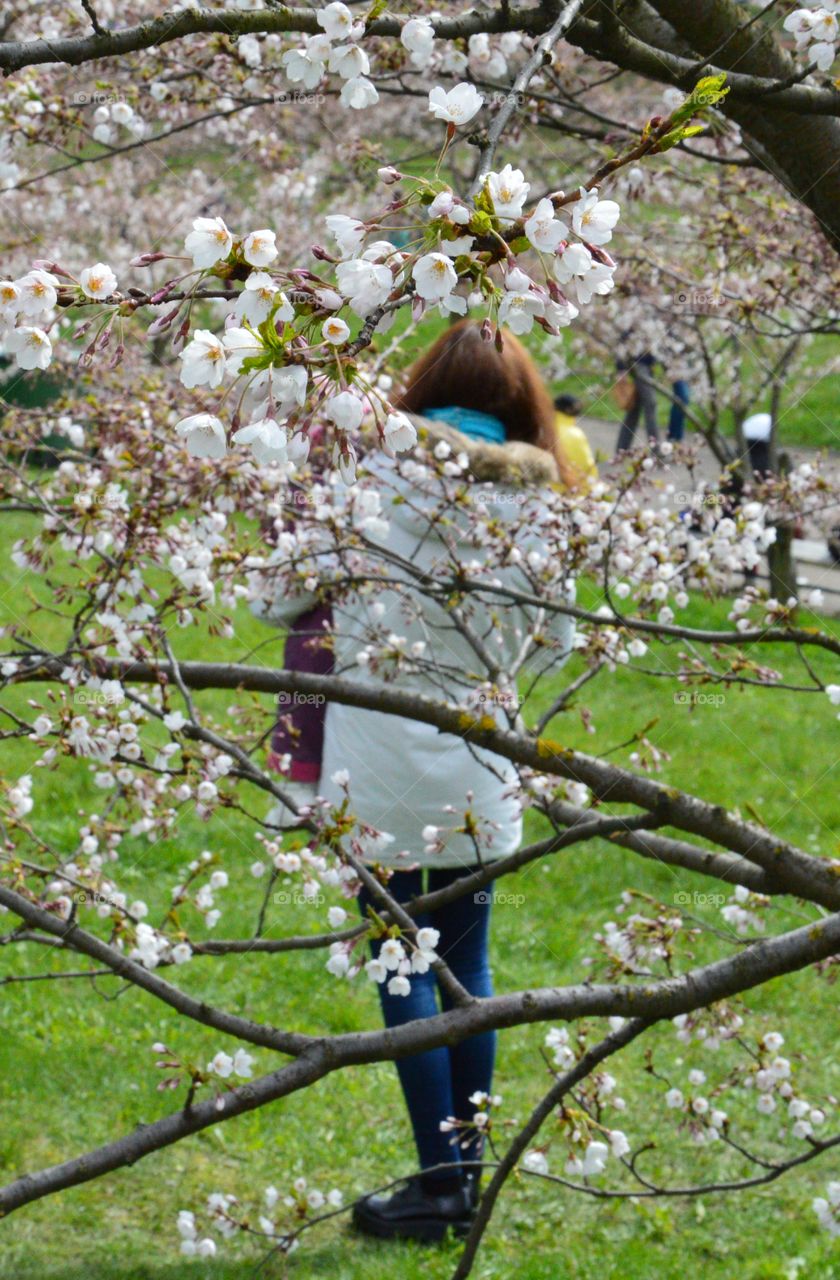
[(572, 439)]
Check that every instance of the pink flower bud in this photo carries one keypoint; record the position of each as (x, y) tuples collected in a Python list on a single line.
[(600, 254), (163, 293), (388, 174), (162, 322), (555, 292), (44, 264), (146, 259), (486, 330)]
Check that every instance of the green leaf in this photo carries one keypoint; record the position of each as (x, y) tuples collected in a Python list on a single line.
[(677, 135), (374, 11), (268, 333), (466, 266), (252, 364), (484, 201), (481, 223), (708, 92)]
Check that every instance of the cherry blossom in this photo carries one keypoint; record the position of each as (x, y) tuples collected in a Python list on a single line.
[(98, 281), (457, 106), (543, 229), (259, 248), (594, 219), (203, 435), (434, 276), (418, 36), (203, 360), (508, 191), (208, 242), (30, 346)]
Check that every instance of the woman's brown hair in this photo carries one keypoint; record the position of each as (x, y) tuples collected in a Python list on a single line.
[(463, 369)]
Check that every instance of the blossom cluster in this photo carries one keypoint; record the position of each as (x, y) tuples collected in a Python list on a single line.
[(224, 1216), (815, 31), (270, 337), (287, 349), (588, 1142)]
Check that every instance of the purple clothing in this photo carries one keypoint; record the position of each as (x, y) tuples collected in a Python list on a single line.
[(299, 731)]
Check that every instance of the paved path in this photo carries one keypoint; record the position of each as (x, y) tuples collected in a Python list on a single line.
[(814, 565)]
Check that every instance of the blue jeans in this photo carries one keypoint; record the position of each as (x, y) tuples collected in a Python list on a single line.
[(437, 1084), (676, 418)]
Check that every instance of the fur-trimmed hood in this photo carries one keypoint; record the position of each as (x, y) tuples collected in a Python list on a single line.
[(514, 463)]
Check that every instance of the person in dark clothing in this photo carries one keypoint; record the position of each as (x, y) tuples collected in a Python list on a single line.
[(758, 429), (676, 418), (644, 402)]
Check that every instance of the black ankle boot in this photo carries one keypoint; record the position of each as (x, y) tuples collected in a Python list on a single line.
[(414, 1214)]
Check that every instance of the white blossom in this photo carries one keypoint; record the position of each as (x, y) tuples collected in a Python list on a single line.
[(535, 1162), (543, 229), (508, 190), (400, 434), (203, 360), (345, 410), (594, 219), (266, 438), (359, 93), (208, 242), (434, 276), (418, 37), (458, 106), (335, 330), (336, 20), (98, 281), (37, 292), (203, 435), (30, 346), (259, 248), (349, 233)]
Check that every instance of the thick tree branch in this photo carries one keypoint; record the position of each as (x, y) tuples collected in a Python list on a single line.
[(75, 50), (808, 877), (650, 1002)]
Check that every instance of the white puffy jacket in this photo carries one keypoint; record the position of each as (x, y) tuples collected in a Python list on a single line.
[(404, 774)]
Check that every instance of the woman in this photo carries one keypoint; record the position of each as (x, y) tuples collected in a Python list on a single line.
[(410, 781)]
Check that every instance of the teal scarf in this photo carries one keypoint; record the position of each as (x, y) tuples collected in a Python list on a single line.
[(481, 426)]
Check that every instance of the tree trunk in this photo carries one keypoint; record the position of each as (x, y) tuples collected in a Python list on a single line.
[(780, 561), (803, 151)]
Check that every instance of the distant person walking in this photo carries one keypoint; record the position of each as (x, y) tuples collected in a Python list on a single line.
[(676, 419), (757, 430), (644, 402)]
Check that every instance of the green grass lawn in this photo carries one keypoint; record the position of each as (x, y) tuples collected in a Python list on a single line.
[(77, 1069)]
